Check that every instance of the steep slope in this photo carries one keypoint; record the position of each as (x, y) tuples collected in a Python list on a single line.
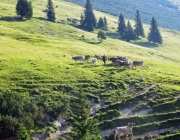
[(166, 13), (36, 61)]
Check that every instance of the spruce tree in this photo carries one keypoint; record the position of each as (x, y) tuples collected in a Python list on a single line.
[(139, 31), (30, 10), (24, 9), (101, 23), (84, 127), (154, 34), (101, 35), (89, 18), (121, 25), (129, 33), (50, 13), (105, 22), (82, 18)]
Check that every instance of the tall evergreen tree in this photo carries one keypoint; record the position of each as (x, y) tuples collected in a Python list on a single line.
[(139, 31), (24, 9), (121, 25), (50, 13), (82, 18), (129, 33), (105, 22), (30, 10), (84, 128), (89, 18), (154, 34)]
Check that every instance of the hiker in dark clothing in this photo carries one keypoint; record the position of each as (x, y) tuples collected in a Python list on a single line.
[(104, 59)]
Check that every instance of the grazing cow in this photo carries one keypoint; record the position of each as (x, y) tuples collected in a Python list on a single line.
[(124, 131), (94, 60), (98, 57), (114, 59), (78, 58), (87, 57), (119, 63), (137, 63)]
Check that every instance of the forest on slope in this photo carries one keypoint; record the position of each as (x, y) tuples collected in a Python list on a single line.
[(166, 12)]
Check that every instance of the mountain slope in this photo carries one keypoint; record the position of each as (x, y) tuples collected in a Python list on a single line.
[(166, 13), (36, 61)]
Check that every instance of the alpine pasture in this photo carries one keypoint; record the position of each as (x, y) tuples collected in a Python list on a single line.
[(36, 60)]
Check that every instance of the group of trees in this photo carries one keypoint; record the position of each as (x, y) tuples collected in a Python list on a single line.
[(88, 20), (18, 114), (128, 33), (24, 10)]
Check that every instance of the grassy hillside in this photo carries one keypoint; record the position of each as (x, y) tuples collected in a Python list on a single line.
[(36, 61)]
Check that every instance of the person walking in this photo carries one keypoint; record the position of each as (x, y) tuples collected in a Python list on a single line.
[(104, 59)]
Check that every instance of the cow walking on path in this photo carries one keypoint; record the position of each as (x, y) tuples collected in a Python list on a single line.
[(124, 131)]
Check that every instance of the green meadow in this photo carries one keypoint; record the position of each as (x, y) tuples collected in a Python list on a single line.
[(37, 55)]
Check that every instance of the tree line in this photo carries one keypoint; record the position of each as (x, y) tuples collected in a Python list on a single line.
[(126, 32), (88, 21)]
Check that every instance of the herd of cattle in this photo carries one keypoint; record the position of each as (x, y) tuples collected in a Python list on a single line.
[(117, 61)]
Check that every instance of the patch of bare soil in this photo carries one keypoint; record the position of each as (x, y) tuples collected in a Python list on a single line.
[(96, 106)]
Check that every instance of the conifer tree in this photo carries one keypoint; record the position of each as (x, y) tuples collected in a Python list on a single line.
[(30, 10), (154, 34), (139, 31), (101, 23), (101, 35), (121, 25), (22, 133), (129, 33), (82, 18), (50, 13), (24, 9), (89, 18), (105, 22), (84, 128)]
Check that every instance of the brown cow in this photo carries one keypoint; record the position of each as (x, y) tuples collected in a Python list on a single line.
[(87, 57)]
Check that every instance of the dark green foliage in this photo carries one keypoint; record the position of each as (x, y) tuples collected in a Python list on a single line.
[(139, 31), (89, 18), (30, 10), (101, 23), (110, 114), (17, 108), (121, 25), (22, 133), (105, 22), (154, 34), (24, 9), (82, 18), (84, 127), (50, 12), (101, 35), (129, 33)]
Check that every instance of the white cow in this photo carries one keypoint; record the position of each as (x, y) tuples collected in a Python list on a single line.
[(124, 131)]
